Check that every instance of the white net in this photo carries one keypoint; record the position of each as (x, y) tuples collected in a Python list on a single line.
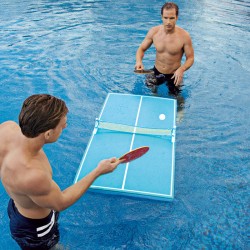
[(131, 129)]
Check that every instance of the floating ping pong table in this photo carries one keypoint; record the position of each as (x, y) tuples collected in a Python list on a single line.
[(127, 122)]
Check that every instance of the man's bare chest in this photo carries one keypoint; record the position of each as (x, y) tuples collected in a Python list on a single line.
[(171, 45)]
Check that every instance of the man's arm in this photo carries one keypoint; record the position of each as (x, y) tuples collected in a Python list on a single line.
[(189, 53), (50, 196), (146, 43)]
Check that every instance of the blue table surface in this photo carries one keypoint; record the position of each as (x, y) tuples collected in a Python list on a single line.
[(150, 176)]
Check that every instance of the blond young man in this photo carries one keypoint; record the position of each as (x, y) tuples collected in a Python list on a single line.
[(26, 174)]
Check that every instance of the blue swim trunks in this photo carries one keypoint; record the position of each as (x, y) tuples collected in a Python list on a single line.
[(29, 233)]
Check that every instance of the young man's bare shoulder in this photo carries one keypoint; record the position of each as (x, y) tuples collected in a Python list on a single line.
[(8, 132), (182, 32), (156, 29), (8, 125), (7, 129), (34, 181)]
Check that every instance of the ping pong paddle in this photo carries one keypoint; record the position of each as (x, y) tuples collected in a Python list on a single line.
[(143, 71), (134, 154)]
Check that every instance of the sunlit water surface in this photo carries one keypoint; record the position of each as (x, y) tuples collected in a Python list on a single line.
[(82, 50)]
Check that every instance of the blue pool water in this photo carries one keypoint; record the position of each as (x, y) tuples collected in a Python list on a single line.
[(80, 51)]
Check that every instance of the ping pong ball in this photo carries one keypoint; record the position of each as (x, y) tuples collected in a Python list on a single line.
[(162, 117)]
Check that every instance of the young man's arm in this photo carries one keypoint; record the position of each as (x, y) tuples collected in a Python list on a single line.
[(146, 43), (189, 53), (50, 196)]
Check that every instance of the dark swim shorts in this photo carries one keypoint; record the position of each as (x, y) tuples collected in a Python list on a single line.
[(156, 79), (33, 233)]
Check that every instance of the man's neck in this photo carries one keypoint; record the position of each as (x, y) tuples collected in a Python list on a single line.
[(32, 145), (169, 32)]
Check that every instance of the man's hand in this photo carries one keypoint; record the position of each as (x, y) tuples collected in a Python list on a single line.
[(178, 76), (108, 165), (139, 66)]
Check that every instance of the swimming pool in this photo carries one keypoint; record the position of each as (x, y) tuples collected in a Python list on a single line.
[(80, 51)]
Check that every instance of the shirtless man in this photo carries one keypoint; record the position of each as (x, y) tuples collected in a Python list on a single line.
[(26, 174), (171, 42)]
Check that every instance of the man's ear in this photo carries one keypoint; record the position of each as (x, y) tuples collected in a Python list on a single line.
[(47, 134)]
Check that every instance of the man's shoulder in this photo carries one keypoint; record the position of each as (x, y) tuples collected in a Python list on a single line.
[(21, 174), (182, 31), (9, 131), (7, 128), (154, 30), (30, 179), (157, 28), (8, 124), (36, 175)]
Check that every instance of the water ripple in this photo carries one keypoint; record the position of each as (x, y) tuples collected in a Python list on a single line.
[(80, 51)]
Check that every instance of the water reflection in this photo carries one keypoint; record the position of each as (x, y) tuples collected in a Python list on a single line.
[(233, 13), (80, 51)]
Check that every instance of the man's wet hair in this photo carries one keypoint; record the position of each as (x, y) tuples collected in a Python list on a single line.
[(40, 113), (170, 5)]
